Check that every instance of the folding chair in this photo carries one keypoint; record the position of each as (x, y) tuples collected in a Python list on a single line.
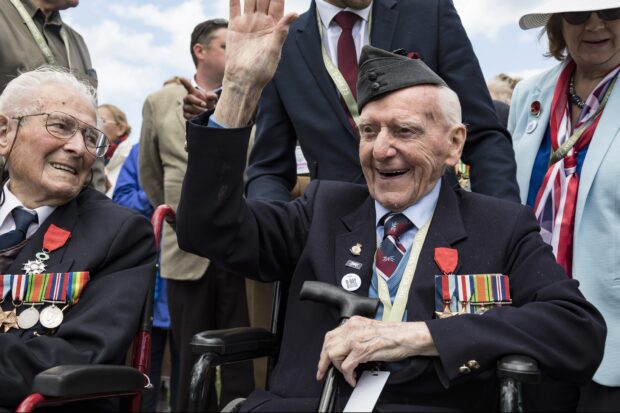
[(72, 383)]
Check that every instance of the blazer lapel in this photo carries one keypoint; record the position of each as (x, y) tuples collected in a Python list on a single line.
[(310, 46), (528, 144), (383, 23), (446, 229), (606, 132), (358, 229), (65, 217)]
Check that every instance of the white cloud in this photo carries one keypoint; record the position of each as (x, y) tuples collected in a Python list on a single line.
[(487, 17)]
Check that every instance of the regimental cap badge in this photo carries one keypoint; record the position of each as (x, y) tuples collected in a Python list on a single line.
[(356, 249)]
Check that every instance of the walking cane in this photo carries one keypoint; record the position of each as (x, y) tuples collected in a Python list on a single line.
[(348, 305)]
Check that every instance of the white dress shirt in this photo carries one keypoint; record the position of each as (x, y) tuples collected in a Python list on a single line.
[(418, 213), (331, 30), (7, 223)]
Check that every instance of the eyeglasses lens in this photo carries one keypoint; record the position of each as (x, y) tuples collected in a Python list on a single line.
[(64, 126)]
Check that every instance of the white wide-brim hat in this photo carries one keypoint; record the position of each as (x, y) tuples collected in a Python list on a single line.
[(540, 15)]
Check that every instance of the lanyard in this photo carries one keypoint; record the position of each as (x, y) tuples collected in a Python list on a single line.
[(395, 312), (38, 37), (334, 73)]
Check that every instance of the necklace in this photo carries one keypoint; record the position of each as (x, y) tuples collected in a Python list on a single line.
[(573, 95)]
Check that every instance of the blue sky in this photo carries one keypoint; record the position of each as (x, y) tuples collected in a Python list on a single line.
[(136, 45)]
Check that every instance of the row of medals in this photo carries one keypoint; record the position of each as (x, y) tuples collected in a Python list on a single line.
[(51, 316)]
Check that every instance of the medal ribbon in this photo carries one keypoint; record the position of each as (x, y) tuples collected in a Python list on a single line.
[(77, 282), (20, 281), (5, 285), (56, 291), (37, 284), (55, 237), (395, 312)]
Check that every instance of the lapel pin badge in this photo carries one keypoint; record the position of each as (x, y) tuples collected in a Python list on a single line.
[(535, 108), (356, 249), (351, 282)]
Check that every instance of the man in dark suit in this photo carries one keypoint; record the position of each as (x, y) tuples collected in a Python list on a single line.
[(302, 106), (51, 223), (411, 132)]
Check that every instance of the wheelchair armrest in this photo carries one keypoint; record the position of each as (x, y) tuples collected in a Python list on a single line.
[(518, 367), (79, 380), (235, 344)]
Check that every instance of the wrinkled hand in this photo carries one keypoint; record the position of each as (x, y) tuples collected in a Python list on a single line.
[(196, 101), (254, 41), (362, 340)]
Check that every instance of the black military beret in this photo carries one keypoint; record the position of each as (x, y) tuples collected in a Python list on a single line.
[(381, 72)]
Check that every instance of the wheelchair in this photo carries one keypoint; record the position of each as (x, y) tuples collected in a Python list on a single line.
[(73, 383), (217, 347)]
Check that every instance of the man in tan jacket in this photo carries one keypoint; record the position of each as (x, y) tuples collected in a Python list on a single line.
[(201, 296)]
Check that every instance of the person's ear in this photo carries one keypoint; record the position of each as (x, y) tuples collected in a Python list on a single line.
[(456, 136), (198, 50), (5, 135)]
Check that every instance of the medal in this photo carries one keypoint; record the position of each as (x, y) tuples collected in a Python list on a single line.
[(51, 317), (10, 320), (28, 318)]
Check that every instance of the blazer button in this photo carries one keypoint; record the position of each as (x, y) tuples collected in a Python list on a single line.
[(375, 86), (473, 364), (464, 369), (372, 76)]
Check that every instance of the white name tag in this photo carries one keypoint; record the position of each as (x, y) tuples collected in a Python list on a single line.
[(367, 392)]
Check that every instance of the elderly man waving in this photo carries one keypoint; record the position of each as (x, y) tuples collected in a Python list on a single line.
[(75, 268), (463, 279)]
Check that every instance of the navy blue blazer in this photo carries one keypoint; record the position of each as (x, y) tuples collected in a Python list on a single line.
[(116, 245), (302, 104), (310, 239)]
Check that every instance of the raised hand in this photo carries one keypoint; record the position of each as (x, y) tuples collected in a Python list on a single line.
[(255, 39), (253, 47)]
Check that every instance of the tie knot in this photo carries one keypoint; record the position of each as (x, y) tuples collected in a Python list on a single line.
[(346, 20), (396, 225), (23, 219)]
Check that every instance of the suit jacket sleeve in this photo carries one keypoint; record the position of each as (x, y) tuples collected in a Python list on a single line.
[(151, 170), (549, 320), (256, 239), (273, 168), (100, 327), (488, 148)]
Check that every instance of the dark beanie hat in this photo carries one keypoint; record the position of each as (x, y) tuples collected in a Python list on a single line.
[(381, 72)]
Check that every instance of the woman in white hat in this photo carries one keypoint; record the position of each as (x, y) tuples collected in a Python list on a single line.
[(565, 125)]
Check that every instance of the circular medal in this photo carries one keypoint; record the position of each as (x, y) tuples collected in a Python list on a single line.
[(51, 317), (28, 318), (351, 282)]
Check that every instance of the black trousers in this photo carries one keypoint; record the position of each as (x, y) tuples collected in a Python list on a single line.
[(215, 301)]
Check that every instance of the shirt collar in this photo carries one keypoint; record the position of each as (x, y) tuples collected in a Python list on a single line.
[(37, 14), (418, 213), (11, 202), (328, 11)]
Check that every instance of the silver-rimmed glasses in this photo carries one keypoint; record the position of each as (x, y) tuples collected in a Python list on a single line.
[(64, 126)]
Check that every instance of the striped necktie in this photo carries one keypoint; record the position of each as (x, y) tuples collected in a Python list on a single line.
[(391, 251)]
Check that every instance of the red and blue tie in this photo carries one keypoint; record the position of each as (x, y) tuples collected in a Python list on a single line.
[(391, 251)]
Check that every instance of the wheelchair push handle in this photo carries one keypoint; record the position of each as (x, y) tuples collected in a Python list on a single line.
[(347, 303)]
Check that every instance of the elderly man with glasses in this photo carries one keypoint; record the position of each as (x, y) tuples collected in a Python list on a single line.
[(61, 242)]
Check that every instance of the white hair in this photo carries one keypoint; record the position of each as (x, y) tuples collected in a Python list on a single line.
[(22, 94), (449, 106)]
